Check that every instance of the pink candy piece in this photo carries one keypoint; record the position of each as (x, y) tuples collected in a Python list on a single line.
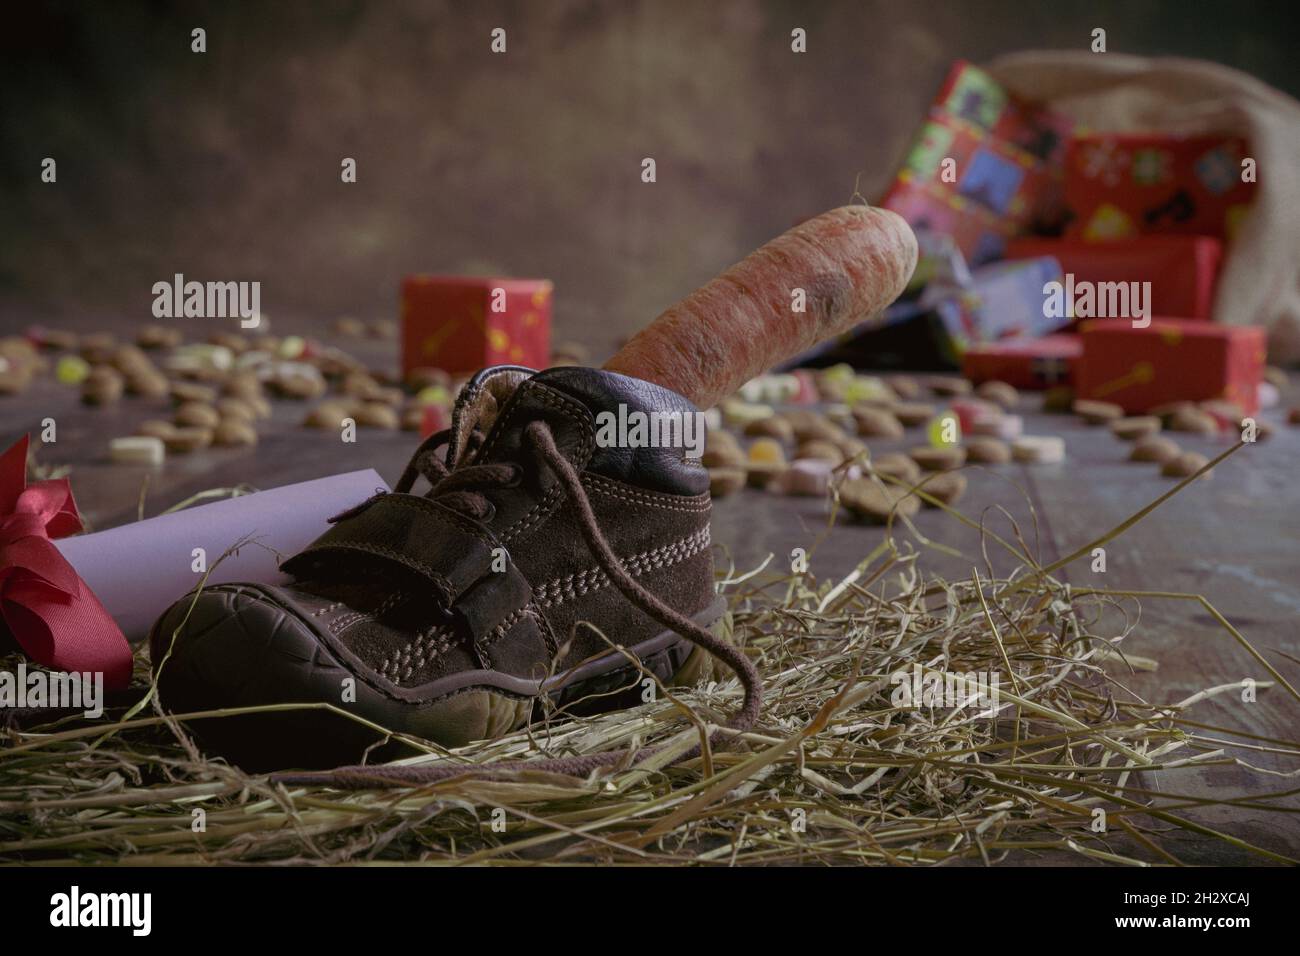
[(810, 477), (807, 394), (1006, 427), (970, 411)]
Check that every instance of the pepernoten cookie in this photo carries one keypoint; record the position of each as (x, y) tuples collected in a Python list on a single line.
[(874, 502)]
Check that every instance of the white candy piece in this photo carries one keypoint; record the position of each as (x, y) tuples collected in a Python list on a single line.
[(137, 450), (1042, 449), (1269, 396)]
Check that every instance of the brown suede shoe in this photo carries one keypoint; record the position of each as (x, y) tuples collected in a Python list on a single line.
[(553, 527)]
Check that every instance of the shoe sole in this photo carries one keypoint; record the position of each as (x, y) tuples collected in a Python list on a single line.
[(452, 712)]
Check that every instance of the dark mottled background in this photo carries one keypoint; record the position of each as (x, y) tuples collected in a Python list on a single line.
[(226, 165)]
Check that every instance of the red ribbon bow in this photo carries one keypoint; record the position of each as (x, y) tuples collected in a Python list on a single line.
[(51, 612)]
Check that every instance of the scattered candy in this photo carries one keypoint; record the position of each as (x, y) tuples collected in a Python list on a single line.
[(806, 477), (71, 370), (819, 449), (292, 347), (774, 427), (1097, 413), (1040, 449), (912, 414), (1006, 427), (327, 415), (156, 428), (1193, 420), (1000, 393), (766, 451), (972, 410), (905, 387), (137, 450), (946, 486), (877, 423), (376, 415), (726, 480), (193, 392), (1131, 429), (184, 440), (738, 414), (944, 458), (231, 432), (103, 386), (944, 431), (236, 409), (197, 414), (808, 425), (948, 386), (988, 451), (875, 502), (896, 465), (98, 347), (1154, 448), (1185, 465)]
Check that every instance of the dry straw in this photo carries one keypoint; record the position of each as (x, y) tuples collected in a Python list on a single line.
[(837, 772)]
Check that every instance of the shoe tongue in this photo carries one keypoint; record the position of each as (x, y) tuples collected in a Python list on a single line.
[(479, 402), (644, 433)]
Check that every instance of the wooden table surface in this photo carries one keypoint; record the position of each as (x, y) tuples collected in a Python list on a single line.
[(1234, 538)]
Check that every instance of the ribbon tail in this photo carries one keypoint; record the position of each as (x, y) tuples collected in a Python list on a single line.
[(74, 634)]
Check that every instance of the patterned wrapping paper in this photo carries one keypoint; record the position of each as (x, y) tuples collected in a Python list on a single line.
[(1009, 167), (1005, 300), (452, 322), (1118, 186), (958, 309), (1170, 360), (1025, 363), (1182, 270)]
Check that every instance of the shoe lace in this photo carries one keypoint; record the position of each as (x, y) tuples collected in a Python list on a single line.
[(463, 492), (460, 488)]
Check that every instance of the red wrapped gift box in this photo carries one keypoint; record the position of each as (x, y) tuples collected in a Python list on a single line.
[(1008, 166), (1170, 360), (1182, 270), (1120, 186), (1025, 363), (462, 324)]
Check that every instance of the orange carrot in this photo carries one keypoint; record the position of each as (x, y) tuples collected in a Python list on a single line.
[(845, 265)]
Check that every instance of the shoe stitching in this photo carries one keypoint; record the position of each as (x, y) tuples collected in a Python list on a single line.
[(347, 620), (575, 585), (533, 516), (607, 486)]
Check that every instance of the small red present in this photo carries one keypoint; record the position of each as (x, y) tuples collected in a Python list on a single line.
[(462, 324), (1121, 186), (1182, 270), (1170, 360), (1024, 363), (1005, 170)]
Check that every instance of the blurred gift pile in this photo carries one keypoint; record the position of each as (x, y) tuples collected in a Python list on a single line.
[(1055, 254)]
